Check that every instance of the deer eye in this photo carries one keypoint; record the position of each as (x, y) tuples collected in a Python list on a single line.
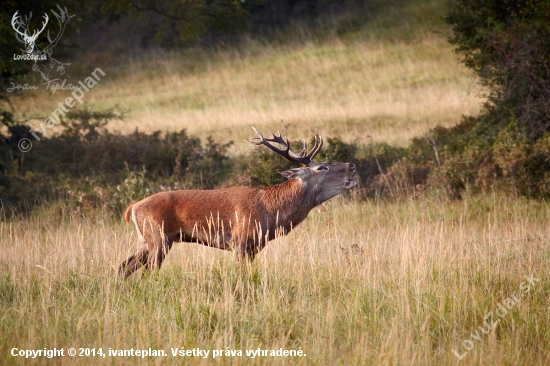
[(322, 167)]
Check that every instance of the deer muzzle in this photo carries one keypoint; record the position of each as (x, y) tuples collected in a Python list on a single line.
[(349, 183)]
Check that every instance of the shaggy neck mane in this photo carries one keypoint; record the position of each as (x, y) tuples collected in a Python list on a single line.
[(281, 196)]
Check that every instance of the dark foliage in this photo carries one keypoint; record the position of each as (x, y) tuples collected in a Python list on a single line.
[(89, 163), (271, 15), (507, 44)]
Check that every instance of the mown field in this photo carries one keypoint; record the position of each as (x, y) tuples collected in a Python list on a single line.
[(360, 282)]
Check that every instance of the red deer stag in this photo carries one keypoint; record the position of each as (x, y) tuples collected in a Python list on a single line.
[(242, 218)]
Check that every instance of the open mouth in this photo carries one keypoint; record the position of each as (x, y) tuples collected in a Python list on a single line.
[(349, 183)]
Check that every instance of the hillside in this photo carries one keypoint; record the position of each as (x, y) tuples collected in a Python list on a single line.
[(386, 77)]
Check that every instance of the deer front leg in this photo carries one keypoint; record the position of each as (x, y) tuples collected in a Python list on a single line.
[(250, 248)]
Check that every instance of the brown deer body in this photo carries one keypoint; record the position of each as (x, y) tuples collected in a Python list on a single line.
[(241, 218)]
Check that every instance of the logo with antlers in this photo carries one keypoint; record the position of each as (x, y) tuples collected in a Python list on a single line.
[(44, 63)]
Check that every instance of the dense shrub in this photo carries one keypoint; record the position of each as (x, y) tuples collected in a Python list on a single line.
[(335, 149), (91, 166), (503, 159), (507, 44)]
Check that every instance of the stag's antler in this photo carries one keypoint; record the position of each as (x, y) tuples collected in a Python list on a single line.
[(63, 18), (16, 22), (303, 157)]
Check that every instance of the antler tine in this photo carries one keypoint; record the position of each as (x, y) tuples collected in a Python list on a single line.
[(36, 32), (316, 148), (276, 138), (260, 137), (287, 153), (279, 139), (16, 23), (44, 23), (264, 141)]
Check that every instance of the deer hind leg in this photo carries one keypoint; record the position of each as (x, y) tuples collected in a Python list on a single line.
[(135, 261), (159, 245)]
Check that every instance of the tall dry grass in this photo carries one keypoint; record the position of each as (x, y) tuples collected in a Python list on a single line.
[(394, 91), (359, 283), (365, 283), (393, 77)]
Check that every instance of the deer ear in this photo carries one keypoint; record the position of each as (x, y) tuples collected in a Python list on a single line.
[(291, 173)]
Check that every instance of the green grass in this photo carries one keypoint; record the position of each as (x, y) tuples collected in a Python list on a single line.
[(418, 281)]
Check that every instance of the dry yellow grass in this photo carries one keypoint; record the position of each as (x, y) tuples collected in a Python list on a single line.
[(358, 283), (392, 90)]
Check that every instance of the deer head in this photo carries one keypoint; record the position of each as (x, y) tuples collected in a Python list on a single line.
[(324, 180), (21, 27)]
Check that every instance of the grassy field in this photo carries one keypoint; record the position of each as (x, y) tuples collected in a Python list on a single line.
[(359, 282), (391, 79)]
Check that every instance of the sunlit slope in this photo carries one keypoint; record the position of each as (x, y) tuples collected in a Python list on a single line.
[(393, 78)]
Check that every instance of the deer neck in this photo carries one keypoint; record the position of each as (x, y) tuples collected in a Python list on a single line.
[(288, 203)]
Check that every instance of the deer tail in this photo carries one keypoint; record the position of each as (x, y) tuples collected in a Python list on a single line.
[(128, 213)]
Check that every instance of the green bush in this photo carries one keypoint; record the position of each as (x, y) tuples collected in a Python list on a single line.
[(507, 44), (92, 167), (336, 150)]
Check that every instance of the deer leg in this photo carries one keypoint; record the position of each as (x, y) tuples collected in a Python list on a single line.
[(249, 249), (134, 262), (160, 246)]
